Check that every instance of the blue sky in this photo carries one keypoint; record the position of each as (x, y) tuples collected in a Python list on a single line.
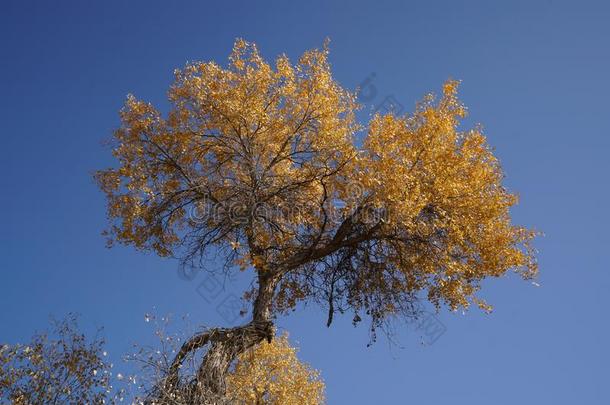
[(535, 74)]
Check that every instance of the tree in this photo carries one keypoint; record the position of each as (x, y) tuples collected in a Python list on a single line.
[(58, 368), (272, 374), (262, 164)]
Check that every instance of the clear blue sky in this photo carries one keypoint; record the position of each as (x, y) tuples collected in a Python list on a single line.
[(536, 74)]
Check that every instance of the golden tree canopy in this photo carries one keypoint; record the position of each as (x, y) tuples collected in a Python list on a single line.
[(271, 373), (260, 162)]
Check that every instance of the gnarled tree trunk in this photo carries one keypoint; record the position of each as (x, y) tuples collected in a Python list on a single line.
[(225, 344)]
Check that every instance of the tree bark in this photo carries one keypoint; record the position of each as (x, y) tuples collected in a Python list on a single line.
[(225, 345), (230, 344), (223, 350), (261, 311)]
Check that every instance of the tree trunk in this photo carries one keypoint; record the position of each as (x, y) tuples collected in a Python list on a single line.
[(225, 349), (264, 299), (225, 344)]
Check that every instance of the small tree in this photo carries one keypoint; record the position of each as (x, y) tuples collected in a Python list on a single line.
[(61, 368), (260, 163), (272, 374)]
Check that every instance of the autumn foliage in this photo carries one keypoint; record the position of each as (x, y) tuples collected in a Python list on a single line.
[(57, 367), (272, 374)]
